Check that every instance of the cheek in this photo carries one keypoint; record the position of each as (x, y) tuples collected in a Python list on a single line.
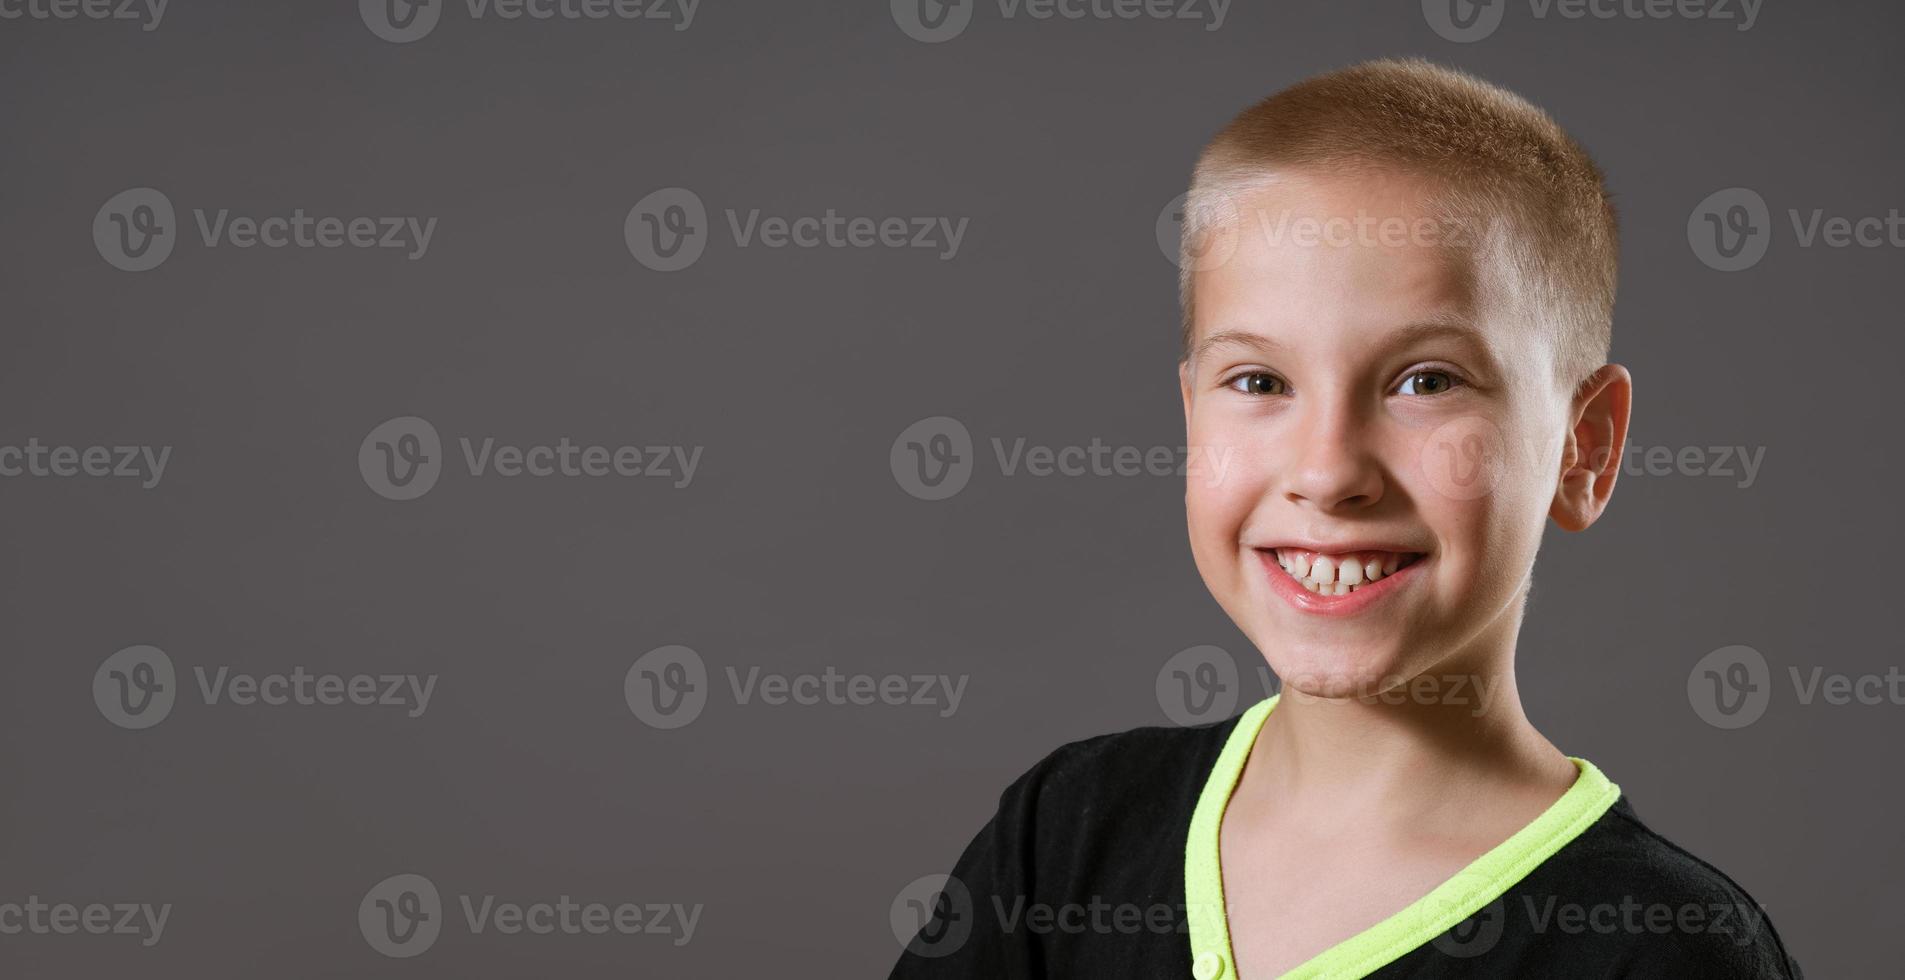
[(1216, 507), (1483, 495), (1221, 489)]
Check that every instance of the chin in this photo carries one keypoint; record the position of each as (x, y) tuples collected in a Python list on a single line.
[(1334, 672)]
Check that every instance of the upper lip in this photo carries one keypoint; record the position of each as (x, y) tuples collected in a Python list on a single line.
[(1343, 547)]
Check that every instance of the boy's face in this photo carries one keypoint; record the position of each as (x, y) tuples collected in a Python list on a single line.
[(1357, 399)]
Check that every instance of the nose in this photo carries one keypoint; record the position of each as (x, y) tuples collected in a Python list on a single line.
[(1333, 468)]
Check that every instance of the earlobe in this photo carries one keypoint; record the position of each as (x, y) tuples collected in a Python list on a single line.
[(1596, 442)]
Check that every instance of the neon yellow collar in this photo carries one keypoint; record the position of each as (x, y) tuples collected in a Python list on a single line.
[(1448, 905)]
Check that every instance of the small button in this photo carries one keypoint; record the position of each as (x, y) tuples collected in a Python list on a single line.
[(1207, 966)]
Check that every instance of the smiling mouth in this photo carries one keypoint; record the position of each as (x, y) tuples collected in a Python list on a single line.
[(1341, 574)]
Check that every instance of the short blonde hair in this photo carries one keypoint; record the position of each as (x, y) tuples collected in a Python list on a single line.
[(1494, 157)]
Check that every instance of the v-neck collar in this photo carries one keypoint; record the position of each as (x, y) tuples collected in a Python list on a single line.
[(1464, 894)]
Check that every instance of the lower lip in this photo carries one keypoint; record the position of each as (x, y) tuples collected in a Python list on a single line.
[(1348, 604)]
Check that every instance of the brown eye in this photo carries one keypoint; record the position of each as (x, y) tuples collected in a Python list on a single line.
[(1257, 383), (1426, 383)]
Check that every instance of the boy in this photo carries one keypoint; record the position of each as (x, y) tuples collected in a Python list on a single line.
[(1398, 285)]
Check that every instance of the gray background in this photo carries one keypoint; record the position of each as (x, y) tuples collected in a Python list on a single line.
[(795, 548)]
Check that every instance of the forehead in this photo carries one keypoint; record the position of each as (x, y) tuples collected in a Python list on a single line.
[(1335, 256)]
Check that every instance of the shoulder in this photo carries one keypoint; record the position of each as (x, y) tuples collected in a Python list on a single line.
[(1147, 768), (1148, 755), (1095, 828), (1107, 814), (1644, 861), (1672, 913)]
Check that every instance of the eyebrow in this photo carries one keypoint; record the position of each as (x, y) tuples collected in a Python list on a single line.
[(1446, 326), (1236, 338), (1450, 326)]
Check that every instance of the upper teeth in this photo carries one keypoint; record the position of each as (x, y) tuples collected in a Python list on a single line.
[(1338, 574)]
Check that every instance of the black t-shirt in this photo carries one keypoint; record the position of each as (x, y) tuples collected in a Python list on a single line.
[(1082, 873)]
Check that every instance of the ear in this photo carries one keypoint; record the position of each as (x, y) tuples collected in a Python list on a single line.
[(1597, 438), (1184, 381)]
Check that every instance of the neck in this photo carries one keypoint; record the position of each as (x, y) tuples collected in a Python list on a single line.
[(1409, 755)]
